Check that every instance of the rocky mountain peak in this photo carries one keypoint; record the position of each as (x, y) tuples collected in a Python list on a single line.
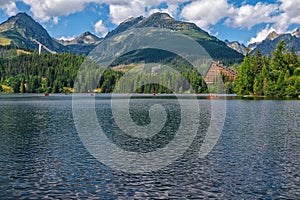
[(296, 33), (272, 36), (161, 16), (87, 38), (22, 29), (241, 48)]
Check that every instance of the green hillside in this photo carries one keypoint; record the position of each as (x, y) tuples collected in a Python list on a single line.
[(47, 73), (216, 48)]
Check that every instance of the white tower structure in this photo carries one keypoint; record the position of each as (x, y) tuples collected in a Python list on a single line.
[(43, 46)]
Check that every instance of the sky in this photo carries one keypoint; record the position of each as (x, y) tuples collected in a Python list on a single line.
[(246, 21)]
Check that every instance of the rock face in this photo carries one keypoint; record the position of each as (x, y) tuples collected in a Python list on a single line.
[(83, 44), (126, 25), (272, 36), (241, 48), (296, 33), (87, 38)]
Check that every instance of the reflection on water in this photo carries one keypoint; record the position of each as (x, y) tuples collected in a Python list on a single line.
[(41, 155)]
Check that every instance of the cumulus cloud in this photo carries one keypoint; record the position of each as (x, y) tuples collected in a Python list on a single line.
[(206, 12), (289, 14), (52, 10), (66, 38), (262, 35), (247, 16), (100, 28), (172, 10), (46, 10), (120, 12), (9, 7), (291, 8), (277, 16)]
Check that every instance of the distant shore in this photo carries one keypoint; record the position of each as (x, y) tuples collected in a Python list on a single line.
[(153, 95)]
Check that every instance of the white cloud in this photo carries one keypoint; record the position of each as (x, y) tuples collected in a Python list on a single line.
[(46, 10), (100, 28), (261, 35), (9, 7), (120, 12), (290, 14), (66, 38), (52, 10), (279, 16), (172, 10), (206, 12), (248, 15), (291, 7), (203, 12)]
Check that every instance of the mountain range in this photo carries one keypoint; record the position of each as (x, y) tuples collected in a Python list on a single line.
[(21, 31), (216, 48), (268, 45)]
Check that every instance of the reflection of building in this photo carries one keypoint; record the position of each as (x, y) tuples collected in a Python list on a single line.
[(216, 69)]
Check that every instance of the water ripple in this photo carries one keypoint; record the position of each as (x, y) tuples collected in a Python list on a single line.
[(257, 156)]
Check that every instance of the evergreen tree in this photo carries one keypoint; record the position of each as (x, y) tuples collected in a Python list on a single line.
[(258, 62), (274, 76), (245, 79)]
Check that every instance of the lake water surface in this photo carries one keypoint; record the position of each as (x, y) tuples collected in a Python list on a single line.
[(42, 156)]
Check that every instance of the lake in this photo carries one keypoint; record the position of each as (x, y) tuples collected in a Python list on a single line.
[(42, 155)]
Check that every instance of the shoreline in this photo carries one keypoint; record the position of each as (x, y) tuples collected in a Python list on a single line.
[(211, 96)]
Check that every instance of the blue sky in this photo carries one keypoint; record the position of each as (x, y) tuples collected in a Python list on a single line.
[(242, 20)]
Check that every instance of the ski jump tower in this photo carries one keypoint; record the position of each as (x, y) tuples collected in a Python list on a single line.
[(41, 46)]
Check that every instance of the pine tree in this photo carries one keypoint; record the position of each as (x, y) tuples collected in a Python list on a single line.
[(258, 62), (245, 78)]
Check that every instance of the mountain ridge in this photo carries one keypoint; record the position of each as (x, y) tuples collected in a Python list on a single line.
[(241, 48), (216, 48), (84, 38), (22, 29), (296, 33), (158, 20), (268, 45)]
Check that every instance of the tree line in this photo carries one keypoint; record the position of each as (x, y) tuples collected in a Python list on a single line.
[(63, 73), (34, 73), (274, 76)]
